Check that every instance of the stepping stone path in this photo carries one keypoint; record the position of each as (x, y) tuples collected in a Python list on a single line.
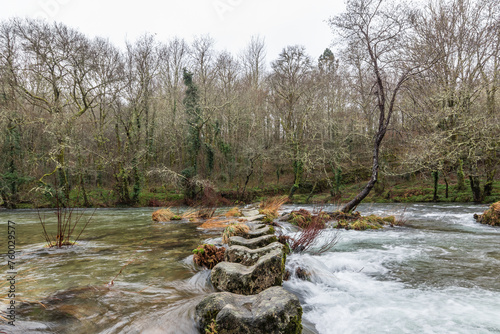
[(252, 299)]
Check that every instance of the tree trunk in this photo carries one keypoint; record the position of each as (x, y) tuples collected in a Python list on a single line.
[(312, 192), (447, 187), (369, 186), (488, 186), (298, 169), (435, 176), (475, 186)]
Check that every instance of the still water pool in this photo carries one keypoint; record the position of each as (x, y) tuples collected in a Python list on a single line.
[(440, 273)]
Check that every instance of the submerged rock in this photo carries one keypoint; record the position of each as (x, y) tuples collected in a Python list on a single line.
[(246, 280), (490, 216), (254, 242), (272, 311), (247, 256)]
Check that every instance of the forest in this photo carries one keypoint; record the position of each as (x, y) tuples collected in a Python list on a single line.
[(406, 94)]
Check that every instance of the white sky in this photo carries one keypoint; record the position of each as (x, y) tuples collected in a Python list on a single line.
[(231, 23)]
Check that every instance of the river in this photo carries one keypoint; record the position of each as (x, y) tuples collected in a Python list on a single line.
[(440, 273)]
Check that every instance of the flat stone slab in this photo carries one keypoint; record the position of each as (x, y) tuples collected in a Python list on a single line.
[(253, 243), (249, 212), (248, 280), (247, 256), (258, 232), (273, 311)]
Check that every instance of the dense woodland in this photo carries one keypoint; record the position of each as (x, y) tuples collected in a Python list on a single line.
[(403, 92)]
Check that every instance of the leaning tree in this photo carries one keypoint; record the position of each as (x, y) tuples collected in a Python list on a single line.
[(377, 31)]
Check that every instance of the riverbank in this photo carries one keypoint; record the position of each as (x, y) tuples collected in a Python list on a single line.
[(416, 191)]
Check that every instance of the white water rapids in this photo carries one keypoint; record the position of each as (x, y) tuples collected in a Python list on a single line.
[(438, 274)]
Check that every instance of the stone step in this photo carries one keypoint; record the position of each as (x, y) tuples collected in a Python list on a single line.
[(247, 280), (247, 256), (259, 231), (272, 311), (253, 243)]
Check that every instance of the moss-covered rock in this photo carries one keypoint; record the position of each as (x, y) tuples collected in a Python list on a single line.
[(247, 280), (303, 218), (490, 216), (360, 223), (272, 311)]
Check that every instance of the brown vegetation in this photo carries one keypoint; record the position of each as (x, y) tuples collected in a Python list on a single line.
[(234, 229), (208, 255), (490, 216), (234, 212), (269, 208), (303, 218), (164, 215)]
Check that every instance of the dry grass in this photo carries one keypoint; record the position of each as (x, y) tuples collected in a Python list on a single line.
[(216, 223), (234, 212), (234, 229), (270, 207), (162, 215)]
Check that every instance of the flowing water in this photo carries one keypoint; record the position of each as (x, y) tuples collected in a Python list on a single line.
[(440, 273)]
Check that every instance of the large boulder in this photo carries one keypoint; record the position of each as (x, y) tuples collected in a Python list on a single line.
[(253, 243), (247, 256), (490, 216), (272, 311), (247, 280)]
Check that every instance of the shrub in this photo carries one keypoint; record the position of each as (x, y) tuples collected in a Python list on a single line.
[(67, 222)]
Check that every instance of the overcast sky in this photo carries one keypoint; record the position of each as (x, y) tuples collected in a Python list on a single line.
[(230, 22)]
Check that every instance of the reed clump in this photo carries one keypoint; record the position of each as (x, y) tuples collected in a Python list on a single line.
[(164, 215), (269, 208), (66, 227), (234, 229), (234, 212)]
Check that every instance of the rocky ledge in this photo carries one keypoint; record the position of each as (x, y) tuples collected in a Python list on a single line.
[(272, 311), (248, 280), (251, 298)]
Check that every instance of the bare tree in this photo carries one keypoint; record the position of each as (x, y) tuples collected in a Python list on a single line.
[(292, 83), (379, 31)]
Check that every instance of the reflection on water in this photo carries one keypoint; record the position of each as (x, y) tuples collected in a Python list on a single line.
[(438, 274)]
